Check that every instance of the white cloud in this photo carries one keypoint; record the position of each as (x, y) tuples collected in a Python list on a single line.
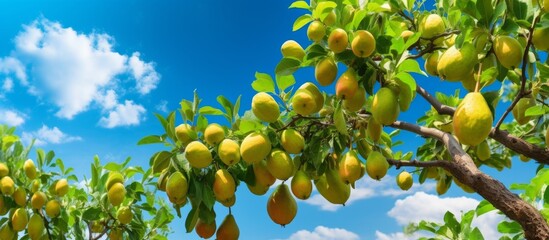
[(76, 71), (7, 86), (11, 118), (145, 76), (398, 236), (367, 188), (423, 206), (126, 114), (324, 233), (162, 106), (46, 135)]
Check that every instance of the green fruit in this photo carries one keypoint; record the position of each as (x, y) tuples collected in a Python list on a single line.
[(469, 82), (30, 169), (472, 120), (116, 194), (53, 208), (524, 158), (326, 71), (442, 187), (228, 230), (303, 102), (205, 230), (545, 7), (338, 40), (432, 172), (115, 234), (404, 180), (376, 165), (332, 188), (483, 151), (20, 196), (539, 39), (280, 164), (265, 107), (374, 130), (519, 111), (224, 185), (455, 64), (281, 206), (257, 189), (4, 170), (340, 122), (385, 107), (38, 200), (7, 233), (255, 147), (363, 149), (405, 96), (315, 92), (356, 102), (35, 227), (19, 220), (292, 141), (61, 187), (291, 48), (177, 187), (547, 134), (349, 167), (480, 41), (229, 152), (214, 134), (124, 215), (198, 154), (464, 187), (363, 44), (301, 185), (185, 134), (330, 19), (347, 84), (7, 185), (114, 177), (508, 51), (316, 31), (347, 15), (161, 161), (431, 63), (431, 26)]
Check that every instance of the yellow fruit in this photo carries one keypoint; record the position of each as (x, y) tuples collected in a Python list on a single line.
[(404, 180), (30, 169), (347, 84), (229, 202), (316, 31), (450, 41), (205, 230), (539, 39), (350, 167), (7, 233), (124, 215), (19, 219), (301, 185), (280, 164), (508, 51), (338, 40), (114, 177), (229, 152), (281, 206), (115, 234), (177, 187), (3, 206), (376, 165), (4, 170), (291, 48), (38, 200), (214, 134), (35, 227), (455, 64), (7, 185), (303, 102), (265, 107), (315, 92), (524, 158), (405, 96), (472, 119), (464, 187), (364, 44), (545, 7), (61, 187), (520, 109), (116, 194), (480, 41), (332, 188), (97, 227), (162, 181), (431, 63), (330, 19), (228, 230), (326, 71), (292, 141), (185, 134), (483, 151), (385, 108), (406, 34), (431, 26), (20, 196), (469, 82), (374, 129), (160, 162), (356, 102), (257, 189), (198, 154), (262, 175), (255, 147), (442, 187), (224, 185), (547, 133)]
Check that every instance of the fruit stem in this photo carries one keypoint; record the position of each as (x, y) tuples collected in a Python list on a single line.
[(477, 87)]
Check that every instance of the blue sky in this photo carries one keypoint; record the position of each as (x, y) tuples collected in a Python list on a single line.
[(85, 77)]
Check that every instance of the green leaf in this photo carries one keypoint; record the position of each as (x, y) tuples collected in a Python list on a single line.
[(535, 111), (287, 66), (484, 207), (300, 4), (323, 9), (208, 110), (476, 234), (246, 126), (263, 83), (283, 82), (410, 65), (92, 213), (201, 123), (509, 227), (186, 110), (191, 219), (227, 105), (452, 222), (486, 11), (358, 17), (302, 21), (150, 140)]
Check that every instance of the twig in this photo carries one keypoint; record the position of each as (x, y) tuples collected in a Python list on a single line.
[(416, 163), (441, 108)]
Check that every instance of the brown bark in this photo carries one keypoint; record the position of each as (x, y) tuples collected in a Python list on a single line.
[(463, 168)]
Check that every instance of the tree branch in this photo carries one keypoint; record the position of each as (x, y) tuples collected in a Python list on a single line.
[(416, 163), (441, 108)]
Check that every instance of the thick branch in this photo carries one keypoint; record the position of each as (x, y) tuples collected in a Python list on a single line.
[(441, 108), (416, 163), (464, 169)]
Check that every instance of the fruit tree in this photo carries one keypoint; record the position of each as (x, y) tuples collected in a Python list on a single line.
[(371, 53)]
